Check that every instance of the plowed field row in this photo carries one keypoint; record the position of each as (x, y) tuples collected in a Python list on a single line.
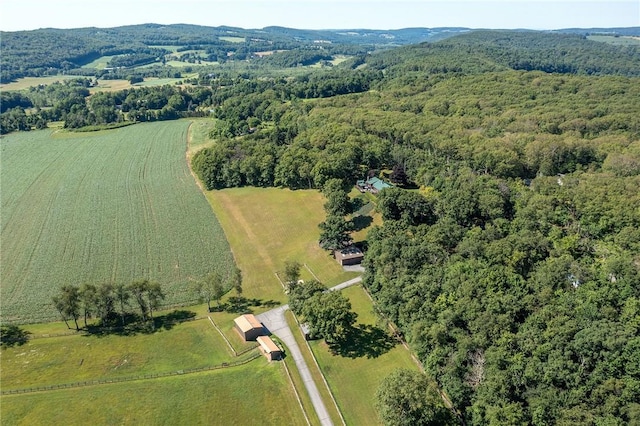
[(107, 206)]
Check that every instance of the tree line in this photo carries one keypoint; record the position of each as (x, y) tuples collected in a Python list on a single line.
[(110, 304)]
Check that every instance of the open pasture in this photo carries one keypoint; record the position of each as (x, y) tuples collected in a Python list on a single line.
[(268, 226), (255, 393), (75, 358), (25, 83), (354, 376), (111, 206), (101, 63)]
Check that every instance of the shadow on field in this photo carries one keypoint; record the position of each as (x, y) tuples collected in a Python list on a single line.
[(133, 324), (243, 305), (363, 340), (361, 222)]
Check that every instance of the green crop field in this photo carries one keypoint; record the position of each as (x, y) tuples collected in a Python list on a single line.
[(255, 393), (112, 206), (355, 379)]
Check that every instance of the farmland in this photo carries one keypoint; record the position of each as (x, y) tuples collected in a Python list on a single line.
[(268, 226), (104, 206), (195, 398)]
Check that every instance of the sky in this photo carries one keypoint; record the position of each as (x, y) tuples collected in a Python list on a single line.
[(18, 15)]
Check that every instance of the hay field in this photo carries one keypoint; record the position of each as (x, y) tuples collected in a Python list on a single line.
[(268, 226), (112, 206), (25, 83)]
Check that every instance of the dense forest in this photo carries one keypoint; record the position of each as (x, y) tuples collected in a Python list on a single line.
[(52, 51), (513, 270), (509, 255)]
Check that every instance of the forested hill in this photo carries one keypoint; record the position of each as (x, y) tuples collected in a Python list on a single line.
[(51, 51), (482, 51), (514, 270), (47, 51)]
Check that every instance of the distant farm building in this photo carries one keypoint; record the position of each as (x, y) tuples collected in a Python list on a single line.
[(268, 348), (351, 255), (249, 327), (373, 185)]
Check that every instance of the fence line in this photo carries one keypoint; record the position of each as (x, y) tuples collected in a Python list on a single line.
[(335, 403), (295, 391), (223, 336), (314, 275), (131, 378)]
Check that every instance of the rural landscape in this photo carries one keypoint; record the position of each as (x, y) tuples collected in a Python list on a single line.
[(218, 225)]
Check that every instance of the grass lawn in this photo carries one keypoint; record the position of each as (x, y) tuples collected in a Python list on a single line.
[(74, 358), (313, 369), (355, 377), (268, 226), (366, 216), (256, 393)]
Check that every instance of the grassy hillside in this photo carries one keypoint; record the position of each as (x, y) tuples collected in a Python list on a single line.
[(238, 395), (105, 206)]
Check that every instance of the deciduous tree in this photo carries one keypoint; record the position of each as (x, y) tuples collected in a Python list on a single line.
[(406, 398)]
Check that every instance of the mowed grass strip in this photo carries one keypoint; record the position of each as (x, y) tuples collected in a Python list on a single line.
[(268, 226), (313, 370), (110, 206), (256, 393), (79, 358), (354, 381)]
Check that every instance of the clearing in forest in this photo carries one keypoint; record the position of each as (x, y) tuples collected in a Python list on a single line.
[(268, 226)]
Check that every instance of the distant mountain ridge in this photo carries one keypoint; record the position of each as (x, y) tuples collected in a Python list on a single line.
[(50, 51)]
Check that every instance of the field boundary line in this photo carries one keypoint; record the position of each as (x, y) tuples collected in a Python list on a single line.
[(295, 390), (223, 336), (131, 378), (314, 275), (279, 280)]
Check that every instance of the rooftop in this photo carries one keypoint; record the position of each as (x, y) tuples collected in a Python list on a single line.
[(247, 322), (349, 253), (267, 344)]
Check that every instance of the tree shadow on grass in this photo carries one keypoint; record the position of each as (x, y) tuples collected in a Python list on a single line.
[(243, 305), (133, 324), (361, 222), (363, 341)]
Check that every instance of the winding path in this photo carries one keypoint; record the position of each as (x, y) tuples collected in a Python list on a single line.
[(276, 323)]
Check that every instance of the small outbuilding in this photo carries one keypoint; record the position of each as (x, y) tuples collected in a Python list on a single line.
[(269, 349), (351, 255), (306, 331), (249, 327)]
